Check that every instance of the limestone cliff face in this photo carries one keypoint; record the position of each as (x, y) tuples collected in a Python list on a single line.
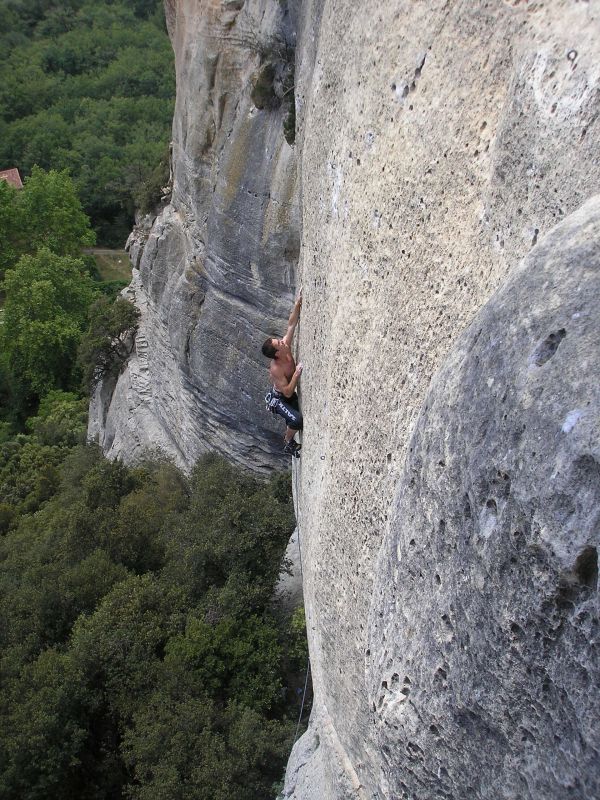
[(213, 273), (447, 178), (450, 529)]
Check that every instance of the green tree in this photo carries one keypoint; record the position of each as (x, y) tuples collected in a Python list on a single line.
[(61, 419), (108, 342), (89, 87), (228, 545), (46, 213), (47, 298), (237, 659), (155, 684), (185, 747), (9, 227), (50, 214), (121, 644), (44, 732)]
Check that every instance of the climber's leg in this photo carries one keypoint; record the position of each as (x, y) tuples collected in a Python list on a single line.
[(289, 434), (288, 409)]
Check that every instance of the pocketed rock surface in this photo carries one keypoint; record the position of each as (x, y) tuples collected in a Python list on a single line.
[(484, 662), (441, 142)]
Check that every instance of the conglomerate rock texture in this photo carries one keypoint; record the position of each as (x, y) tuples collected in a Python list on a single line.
[(445, 168), (214, 272)]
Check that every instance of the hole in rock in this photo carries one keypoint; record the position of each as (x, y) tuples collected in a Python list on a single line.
[(516, 629), (548, 347), (467, 508), (586, 567)]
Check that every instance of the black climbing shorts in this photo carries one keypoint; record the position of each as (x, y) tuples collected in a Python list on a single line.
[(289, 409)]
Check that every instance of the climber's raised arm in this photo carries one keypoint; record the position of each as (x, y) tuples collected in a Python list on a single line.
[(284, 375), (293, 320)]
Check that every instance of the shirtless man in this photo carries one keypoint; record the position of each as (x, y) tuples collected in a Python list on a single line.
[(284, 375)]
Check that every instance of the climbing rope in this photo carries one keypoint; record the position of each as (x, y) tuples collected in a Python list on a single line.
[(295, 468), (302, 705)]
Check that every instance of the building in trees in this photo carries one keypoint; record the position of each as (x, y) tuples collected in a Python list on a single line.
[(12, 176)]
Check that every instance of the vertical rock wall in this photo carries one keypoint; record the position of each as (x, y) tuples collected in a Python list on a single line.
[(441, 142), (446, 154), (214, 272)]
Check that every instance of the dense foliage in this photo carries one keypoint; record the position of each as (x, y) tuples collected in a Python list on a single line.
[(46, 291), (88, 85), (140, 655)]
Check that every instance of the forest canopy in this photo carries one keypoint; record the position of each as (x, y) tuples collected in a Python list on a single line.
[(89, 87), (141, 654)]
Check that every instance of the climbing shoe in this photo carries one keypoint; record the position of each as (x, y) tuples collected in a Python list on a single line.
[(292, 448)]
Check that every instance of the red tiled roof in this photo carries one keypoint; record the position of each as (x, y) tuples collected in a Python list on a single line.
[(12, 176)]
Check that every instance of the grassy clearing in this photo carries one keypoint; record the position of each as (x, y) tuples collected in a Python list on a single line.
[(113, 265)]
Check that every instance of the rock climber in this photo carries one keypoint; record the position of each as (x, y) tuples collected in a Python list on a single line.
[(284, 374)]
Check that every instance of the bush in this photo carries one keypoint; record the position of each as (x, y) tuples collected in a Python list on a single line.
[(149, 192), (263, 94), (108, 342)]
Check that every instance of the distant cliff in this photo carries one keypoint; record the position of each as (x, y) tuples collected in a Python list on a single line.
[(214, 271), (442, 195)]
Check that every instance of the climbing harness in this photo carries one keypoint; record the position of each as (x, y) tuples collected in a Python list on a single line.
[(272, 397)]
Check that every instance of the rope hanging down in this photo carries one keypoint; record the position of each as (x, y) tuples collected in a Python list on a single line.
[(295, 468)]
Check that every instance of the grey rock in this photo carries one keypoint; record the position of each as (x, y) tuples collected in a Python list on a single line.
[(483, 672), (288, 591), (215, 269), (417, 203)]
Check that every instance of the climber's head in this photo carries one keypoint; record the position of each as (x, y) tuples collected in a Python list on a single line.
[(270, 347)]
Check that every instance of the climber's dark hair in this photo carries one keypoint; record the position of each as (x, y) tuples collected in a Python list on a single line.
[(267, 349)]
